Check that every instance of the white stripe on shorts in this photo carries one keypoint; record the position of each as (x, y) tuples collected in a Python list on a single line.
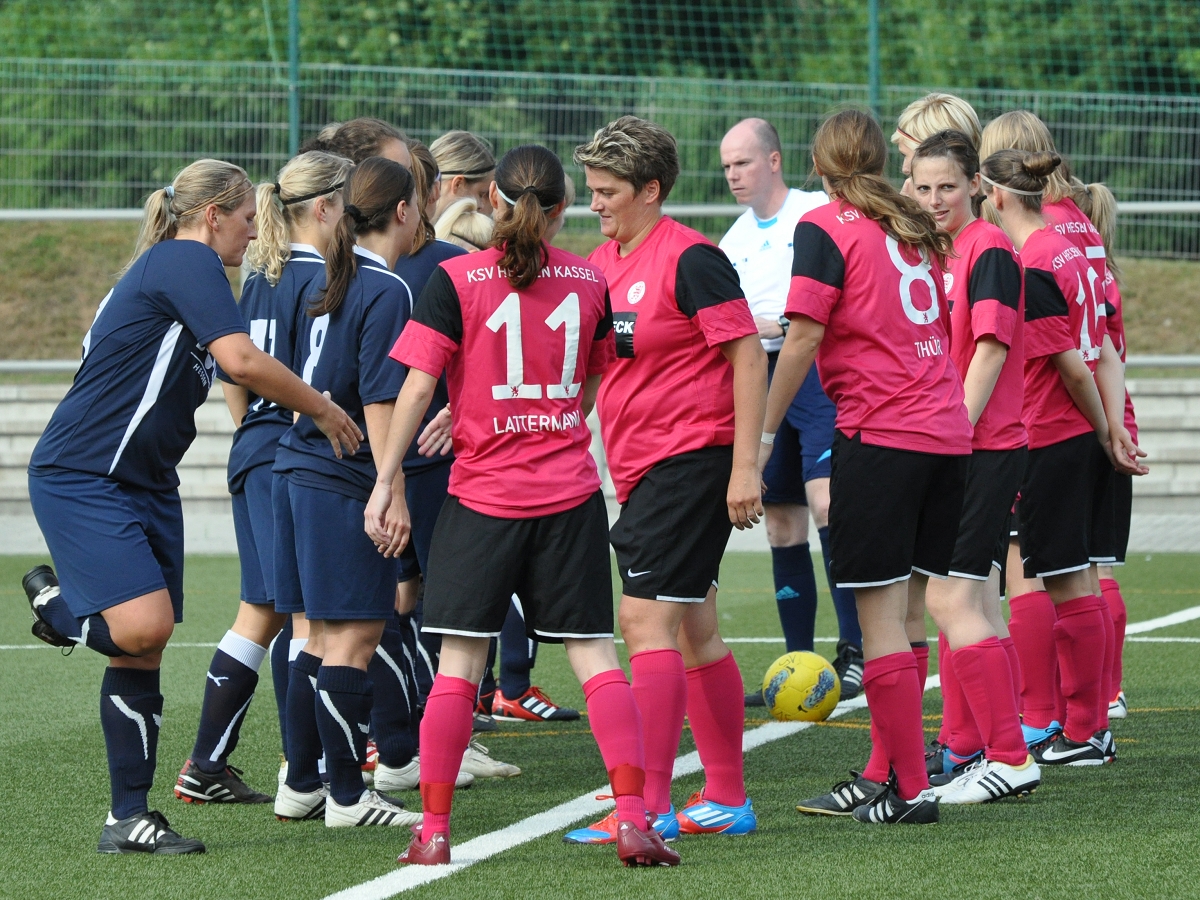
[(473, 634), (869, 584), (954, 574)]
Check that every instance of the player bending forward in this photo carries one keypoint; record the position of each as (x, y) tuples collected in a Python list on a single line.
[(525, 504)]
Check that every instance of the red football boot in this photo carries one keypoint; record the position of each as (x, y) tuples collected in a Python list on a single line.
[(643, 848), (434, 852)]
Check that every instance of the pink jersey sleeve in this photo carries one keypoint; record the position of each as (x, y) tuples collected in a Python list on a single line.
[(603, 354), (726, 321), (991, 318), (812, 298), (421, 347)]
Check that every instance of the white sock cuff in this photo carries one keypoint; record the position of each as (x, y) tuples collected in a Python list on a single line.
[(244, 650), (295, 645)]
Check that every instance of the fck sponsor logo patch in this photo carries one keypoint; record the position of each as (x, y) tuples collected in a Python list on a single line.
[(623, 325)]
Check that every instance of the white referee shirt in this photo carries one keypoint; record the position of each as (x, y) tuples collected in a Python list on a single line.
[(761, 251)]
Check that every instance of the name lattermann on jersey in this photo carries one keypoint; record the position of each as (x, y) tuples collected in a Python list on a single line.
[(539, 423)]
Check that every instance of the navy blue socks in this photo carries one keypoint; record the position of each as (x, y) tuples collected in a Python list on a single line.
[(795, 594), (395, 697), (130, 715), (279, 676), (343, 713), (843, 599), (90, 630), (303, 739), (228, 689)]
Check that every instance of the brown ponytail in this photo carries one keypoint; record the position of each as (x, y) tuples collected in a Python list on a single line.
[(425, 173), (850, 152), (1027, 174), (532, 179), (371, 194)]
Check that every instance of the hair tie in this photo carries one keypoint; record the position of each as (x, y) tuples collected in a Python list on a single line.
[(355, 213), (520, 194), (1012, 190), (904, 134), (276, 188), (470, 173), (169, 190)]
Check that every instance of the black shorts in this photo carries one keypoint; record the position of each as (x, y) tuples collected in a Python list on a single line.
[(1110, 528), (673, 529), (1064, 487), (892, 512), (557, 564), (993, 477)]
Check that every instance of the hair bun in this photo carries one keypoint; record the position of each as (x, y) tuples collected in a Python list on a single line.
[(1041, 163)]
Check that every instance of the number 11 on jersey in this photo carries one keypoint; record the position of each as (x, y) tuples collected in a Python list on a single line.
[(565, 315)]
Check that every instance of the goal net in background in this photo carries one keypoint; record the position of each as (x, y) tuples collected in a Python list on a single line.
[(102, 100)]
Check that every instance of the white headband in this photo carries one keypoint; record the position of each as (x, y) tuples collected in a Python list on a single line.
[(506, 199), (1012, 190)]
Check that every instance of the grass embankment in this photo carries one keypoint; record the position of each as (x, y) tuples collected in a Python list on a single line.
[(56, 273)]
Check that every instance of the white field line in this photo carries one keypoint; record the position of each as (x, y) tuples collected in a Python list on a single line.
[(1175, 618), (560, 817)]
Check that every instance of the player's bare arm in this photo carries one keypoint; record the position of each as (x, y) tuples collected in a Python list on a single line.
[(982, 374), (749, 363), (410, 406), (269, 378), (1110, 381), (795, 357)]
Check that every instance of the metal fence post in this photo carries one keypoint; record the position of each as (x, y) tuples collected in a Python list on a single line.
[(293, 77), (873, 76)]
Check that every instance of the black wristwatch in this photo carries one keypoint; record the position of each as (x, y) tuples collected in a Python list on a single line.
[(785, 323)]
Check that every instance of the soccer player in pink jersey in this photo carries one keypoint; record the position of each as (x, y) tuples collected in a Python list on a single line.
[(524, 332), (680, 412), (1086, 216), (985, 290), (868, 302), (1067, 355)]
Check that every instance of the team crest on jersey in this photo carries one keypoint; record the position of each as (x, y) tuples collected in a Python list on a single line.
[(203, 364), (623, 324), (637, 291), (948, 280)]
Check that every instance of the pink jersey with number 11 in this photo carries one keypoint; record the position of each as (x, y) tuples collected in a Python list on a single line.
[(885, 359), (515, 361)]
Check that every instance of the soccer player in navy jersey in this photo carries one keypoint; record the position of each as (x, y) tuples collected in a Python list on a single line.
[(296, 219), (681, 414), (759, 244), (103, 482), (348, 590), (524, 332)]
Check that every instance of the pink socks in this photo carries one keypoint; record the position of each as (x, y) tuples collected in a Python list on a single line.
[(986, 682), (894, 696), (1014, 667), (878, 768), (959, 731), (660, 688), (1116, 608), (717, 713), (1079, 636), (1032, 630), (445, 734), (617, 727)]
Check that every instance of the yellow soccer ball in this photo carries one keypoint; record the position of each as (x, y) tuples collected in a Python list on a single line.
[(801, 687)]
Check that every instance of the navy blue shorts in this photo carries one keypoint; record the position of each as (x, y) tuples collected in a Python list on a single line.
[(335, 566), (803, 443), (110, 542), (426, 492), (254, 528), (289, 598)]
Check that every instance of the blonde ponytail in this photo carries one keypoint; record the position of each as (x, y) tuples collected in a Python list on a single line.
[(285, 204), (204, 183)]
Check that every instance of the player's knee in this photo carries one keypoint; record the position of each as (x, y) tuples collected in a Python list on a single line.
[(148, 636)]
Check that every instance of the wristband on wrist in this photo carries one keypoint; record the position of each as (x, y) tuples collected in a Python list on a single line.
[(768, 437)]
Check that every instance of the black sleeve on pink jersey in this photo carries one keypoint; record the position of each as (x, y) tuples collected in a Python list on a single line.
[(1043, 297), (815, 255), (438, 306), (705, 277), (1109, 309), (605, 325), (995, 276)]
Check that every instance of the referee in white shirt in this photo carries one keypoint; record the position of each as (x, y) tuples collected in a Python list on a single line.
[(797, 477)]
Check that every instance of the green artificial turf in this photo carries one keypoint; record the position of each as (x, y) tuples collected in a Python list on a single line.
[(1127, 830)]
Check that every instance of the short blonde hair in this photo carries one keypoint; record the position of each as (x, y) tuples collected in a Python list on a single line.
[(463, 225), (936, 112), (463, 153), (633, 150)]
